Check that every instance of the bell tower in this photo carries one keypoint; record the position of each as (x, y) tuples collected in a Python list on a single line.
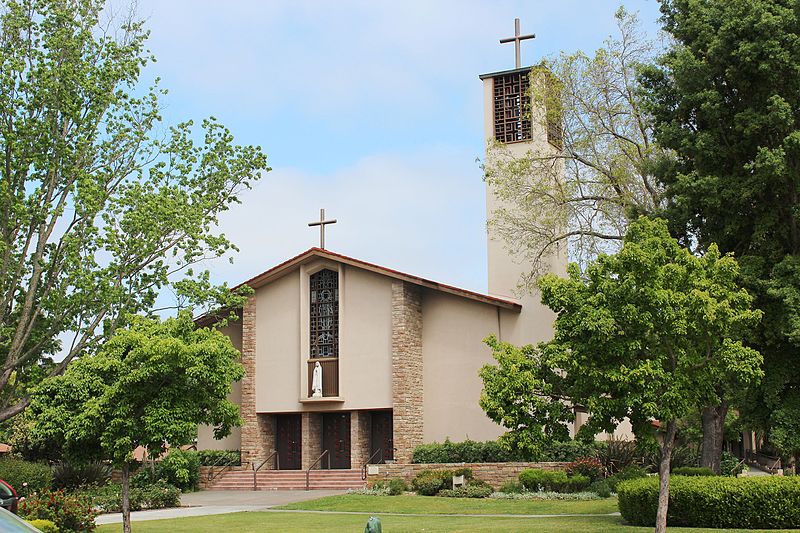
[(508, 121)]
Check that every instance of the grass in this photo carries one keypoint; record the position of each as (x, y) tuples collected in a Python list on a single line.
[(333, 523), (303, 518), (435, 505)]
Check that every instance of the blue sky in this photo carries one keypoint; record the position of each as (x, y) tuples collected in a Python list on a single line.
[(371, 110)]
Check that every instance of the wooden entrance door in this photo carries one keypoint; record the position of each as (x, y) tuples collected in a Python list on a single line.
[(336, 439), (288, 442), (381, 436)]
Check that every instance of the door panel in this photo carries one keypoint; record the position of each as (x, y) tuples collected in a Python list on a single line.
[(381, 436), (336, 438), (289, 442)]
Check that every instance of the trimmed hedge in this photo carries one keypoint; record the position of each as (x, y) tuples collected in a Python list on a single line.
[(220, 457), (534, 479), (468, 451), (692, 471), (720, 502), (15, 472)]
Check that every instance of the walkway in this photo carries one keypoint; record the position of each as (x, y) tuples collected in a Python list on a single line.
[(209, 502)]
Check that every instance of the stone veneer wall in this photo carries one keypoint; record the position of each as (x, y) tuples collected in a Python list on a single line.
[(407, 393), (311, 439), (258, 433), (359, 438), (493, 473)]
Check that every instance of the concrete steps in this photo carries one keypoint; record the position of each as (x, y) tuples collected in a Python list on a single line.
[(289, 480)]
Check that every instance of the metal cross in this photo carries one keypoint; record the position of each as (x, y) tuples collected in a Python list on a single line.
[(322, 222), (516, 40)]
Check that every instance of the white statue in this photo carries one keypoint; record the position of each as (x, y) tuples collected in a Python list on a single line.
[(316, 381)]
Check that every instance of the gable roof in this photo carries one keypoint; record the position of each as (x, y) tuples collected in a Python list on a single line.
[(277, 271)]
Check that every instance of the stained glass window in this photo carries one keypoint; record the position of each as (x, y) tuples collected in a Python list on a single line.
[(324, 289)]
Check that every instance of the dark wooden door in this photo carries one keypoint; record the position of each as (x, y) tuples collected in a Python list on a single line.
[(288, 442), (381, 436), (336, 439)]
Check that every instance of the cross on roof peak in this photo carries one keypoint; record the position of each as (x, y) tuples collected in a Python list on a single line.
[(322, 223), (516, 39)]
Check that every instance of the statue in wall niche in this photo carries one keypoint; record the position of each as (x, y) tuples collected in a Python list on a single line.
[(316, 381)]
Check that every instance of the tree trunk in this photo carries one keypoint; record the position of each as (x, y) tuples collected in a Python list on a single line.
[(663, 476), (713, 419), (126, 499)]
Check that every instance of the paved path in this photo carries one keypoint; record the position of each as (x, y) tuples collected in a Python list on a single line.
[(210, 502)]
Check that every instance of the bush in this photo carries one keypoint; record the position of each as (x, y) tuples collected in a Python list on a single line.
[(429, 482), (718, 501), (157, 495), (467, 491), (468, 451), (534, 479), (692, 471), (15, 472), (45, 526), (73, 475), (617, 455), (180, 468), (730, 465), (512, 487), (397, 486), (586, 466), (564, 452), (574, 496), (632, 472), (70, 513), (600, 487), (220, 457)]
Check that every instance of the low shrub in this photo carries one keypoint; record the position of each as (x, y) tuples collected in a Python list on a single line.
[(15, 472), (512, 487), (157, 495), (467, 491), (617, 455), (468, 451), (220, 457), (374, 490), (429, 482), (590, 467), (574, 496), (692, 471), (600, 487), (631, 472), (534, 479), (69, 512), (179, 468), (74, 475), (397, 486), (720, 502), (730, 465), (565, 452), (45, 526)]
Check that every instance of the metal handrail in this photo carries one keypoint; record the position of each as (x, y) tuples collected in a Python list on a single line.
[(308, 470), (369, 461), (211, 475), (257, 468)]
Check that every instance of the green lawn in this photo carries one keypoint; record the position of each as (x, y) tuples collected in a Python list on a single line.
[(376, 505), (438, 505), (333, 523)]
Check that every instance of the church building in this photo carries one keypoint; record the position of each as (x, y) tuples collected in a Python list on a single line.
[(365, 362)]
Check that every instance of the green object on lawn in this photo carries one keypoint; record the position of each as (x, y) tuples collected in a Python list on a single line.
[(373, 525)]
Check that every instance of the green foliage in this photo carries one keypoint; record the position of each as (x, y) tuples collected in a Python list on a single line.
[(601, 487), (534, 479), (155, 495), (716, 501), (617, 454), (692, 471), (15, 472), (220, 457), (71, 513), (71, 475), (730, 465), (103, 205), (567, 451), (180, 468), (467, 491), (430, 482), (586, 466), (631, 472), (397, 486), (512, 487), (45, 526), (468, 451)]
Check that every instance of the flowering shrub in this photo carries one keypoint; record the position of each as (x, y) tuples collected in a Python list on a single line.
[(590, 467), (70, 513)]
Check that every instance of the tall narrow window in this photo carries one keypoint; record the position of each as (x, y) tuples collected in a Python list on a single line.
[(324, 287)]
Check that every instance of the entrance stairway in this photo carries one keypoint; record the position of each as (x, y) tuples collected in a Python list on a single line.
[(289, 480)]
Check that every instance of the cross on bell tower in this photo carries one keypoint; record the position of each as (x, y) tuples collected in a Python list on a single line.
[(516, 39)]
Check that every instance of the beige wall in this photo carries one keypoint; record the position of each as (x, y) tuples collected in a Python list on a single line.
[(453, 351), (282, 345), (205, 434)]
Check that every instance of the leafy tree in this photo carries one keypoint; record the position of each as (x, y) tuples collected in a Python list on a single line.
[(584, 192), (100, 208), (647, 333), (150, 385), (725, 98)]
